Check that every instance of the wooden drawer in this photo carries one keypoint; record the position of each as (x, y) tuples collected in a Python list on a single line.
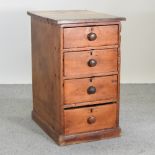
[(91, 36), (90, 118), (90, 62), (90, 89)]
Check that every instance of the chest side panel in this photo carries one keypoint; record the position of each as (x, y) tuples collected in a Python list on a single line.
[(46, 72)]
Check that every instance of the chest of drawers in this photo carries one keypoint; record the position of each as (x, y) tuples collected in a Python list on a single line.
[(76, 74)]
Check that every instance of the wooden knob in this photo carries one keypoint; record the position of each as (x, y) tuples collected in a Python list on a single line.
[(91, 90), (91, 120), (91, 36), (92, 63)]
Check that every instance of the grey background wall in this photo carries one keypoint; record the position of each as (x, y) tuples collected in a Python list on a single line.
[(138, 36)]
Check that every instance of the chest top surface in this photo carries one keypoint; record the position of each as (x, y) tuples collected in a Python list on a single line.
[(74, 16)]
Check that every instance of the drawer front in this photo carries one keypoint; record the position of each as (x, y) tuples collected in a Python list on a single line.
[(90, 89), (90, 118), (90, 36), (90, 62)]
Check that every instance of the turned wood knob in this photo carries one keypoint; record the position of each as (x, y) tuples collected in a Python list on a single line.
[(91, 90), (91, 120), (92, 63), (91, 36)]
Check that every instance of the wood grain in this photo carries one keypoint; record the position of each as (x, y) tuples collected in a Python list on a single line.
[(62, 105), (76, 63), (78, 49), (91, 136), (92, 103), (46, 74), (76, 90), (119, 70), (78, 137), (77, 37), (81, 76), (73, 16), (105, 23), (105, 118)]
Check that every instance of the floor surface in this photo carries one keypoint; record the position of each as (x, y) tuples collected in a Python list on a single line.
[(19, 135)]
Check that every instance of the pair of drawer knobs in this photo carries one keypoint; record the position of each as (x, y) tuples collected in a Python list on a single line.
[(91, 37)]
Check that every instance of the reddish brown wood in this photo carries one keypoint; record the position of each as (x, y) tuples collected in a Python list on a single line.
[(45, 126), (74, 102), (90, 48), (77, 37), (76, 138), (90, 24), (92, 103), (119, 69), (91, 136), (90, 75), (76, 63), (90, 118), (76, 90), (46, 74)]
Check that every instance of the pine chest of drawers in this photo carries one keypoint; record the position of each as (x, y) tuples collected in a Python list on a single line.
[(76, 74)]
